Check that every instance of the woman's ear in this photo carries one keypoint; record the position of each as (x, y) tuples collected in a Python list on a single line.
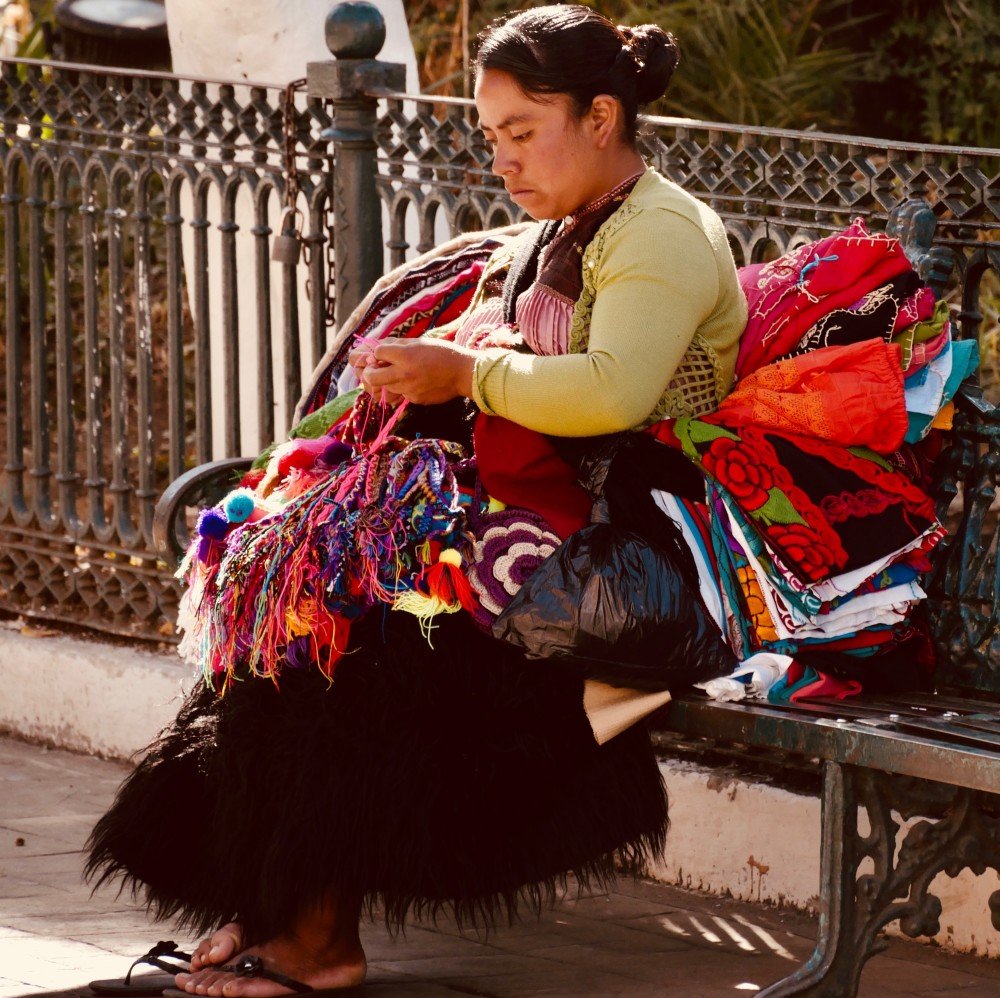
[(606, 117)]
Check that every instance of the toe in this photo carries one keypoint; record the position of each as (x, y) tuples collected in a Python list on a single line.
[(225, 942), (200, 956), (252, 987), (211, 982), (215, 988)]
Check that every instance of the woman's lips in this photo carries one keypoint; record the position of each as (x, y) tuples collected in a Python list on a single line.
[(520, 192)]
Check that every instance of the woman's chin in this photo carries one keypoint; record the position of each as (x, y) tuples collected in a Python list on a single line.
[(540, 213), (533, 205)]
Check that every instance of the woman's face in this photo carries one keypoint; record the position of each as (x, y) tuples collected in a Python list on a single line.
[(547, 158)]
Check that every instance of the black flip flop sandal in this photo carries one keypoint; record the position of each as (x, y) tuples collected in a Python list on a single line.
[(253, 966), (147, 985)]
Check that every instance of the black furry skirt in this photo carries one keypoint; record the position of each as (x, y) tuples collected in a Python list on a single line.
[(459, 777)]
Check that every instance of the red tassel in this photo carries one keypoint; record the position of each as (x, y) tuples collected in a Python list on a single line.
[(299, 453), (336, 632), (253, 478), (448, 583)]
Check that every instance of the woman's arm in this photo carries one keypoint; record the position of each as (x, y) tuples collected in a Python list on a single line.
[(657, 283)]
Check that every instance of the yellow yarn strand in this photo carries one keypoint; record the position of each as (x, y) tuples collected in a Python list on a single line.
[(425, 609)]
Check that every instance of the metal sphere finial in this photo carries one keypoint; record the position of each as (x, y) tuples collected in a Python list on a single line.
[(355, 29)]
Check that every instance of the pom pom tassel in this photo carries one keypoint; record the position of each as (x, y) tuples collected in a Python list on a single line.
[(446, 581)]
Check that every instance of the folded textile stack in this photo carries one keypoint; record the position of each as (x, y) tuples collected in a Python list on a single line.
[(818, 535)]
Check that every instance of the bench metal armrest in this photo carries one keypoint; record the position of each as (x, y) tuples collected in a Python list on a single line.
[(201, 486)]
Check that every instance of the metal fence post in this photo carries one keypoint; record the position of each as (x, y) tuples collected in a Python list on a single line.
[(355, 32)]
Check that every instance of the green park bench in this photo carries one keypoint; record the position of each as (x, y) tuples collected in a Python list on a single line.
[(932, 754)]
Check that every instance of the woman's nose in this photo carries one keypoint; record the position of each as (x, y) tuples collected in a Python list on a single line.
[(502, 162)]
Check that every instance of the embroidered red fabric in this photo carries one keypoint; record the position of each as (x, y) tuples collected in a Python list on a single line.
[(787, 296)]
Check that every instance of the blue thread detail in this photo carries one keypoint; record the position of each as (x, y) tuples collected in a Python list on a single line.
[(812, 265)]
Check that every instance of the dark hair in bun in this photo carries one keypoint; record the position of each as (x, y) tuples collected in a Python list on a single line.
[(570, 49), (656, 55)]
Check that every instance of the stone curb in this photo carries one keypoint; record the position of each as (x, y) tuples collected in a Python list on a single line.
[(102, 699)]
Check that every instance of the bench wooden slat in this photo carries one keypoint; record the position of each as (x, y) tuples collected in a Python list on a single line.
[(946, 729), (867, 743)]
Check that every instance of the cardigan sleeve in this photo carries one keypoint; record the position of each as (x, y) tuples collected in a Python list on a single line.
[(657, 282)]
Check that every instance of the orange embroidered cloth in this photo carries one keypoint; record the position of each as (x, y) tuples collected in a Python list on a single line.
[(850, 395)]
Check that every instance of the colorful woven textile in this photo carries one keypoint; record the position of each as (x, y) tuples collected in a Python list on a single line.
[(510, 545), (815, 544), (787, 296), (426, 298), (319, 541)]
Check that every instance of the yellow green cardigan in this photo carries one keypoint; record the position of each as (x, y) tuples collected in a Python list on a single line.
[(654, 332)]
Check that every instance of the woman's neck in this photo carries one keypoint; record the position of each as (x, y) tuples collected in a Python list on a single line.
[(624, 168)]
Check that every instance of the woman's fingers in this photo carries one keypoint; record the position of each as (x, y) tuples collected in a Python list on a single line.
[(423, 372), (381, 377)]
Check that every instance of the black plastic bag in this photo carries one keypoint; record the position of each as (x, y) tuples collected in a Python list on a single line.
[(619, 605)]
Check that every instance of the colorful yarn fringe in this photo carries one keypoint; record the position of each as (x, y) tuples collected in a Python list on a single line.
[(278, 572)]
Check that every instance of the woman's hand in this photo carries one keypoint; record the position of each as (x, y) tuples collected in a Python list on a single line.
[(422, 371), (361, 358)]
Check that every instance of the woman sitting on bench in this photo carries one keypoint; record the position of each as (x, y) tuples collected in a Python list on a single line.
[(343, 756)]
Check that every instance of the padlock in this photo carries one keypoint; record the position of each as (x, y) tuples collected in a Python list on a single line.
[(287, 246)]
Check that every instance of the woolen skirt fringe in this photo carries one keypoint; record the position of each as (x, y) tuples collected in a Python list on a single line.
[(460, 777)]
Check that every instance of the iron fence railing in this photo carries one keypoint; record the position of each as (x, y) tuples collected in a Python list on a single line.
[(114, 382), (145, 329), (774, 188)]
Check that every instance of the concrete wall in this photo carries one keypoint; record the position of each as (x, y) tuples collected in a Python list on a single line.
[(729, 835), (103, 699)]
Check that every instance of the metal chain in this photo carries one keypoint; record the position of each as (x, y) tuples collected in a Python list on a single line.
[(293, 186), (292, 218), (331, 271), (289, 125)]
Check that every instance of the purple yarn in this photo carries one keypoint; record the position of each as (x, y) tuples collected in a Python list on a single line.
[(336, 453), (212, 523), (498, 572), (298, 652)]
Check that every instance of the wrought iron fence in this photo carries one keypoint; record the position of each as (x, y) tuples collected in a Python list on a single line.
[(143, 323), (100, 143)]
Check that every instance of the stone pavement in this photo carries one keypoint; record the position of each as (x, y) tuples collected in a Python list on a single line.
[(645, 939)]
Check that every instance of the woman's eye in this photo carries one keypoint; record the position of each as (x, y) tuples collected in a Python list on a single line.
[(523, 137)]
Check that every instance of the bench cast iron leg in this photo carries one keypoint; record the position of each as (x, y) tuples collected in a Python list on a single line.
[(828, 972), (854, 909)]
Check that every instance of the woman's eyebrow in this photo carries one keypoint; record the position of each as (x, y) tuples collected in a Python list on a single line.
[(511, 119)]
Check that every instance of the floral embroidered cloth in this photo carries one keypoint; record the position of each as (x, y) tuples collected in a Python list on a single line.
[(787, 296)]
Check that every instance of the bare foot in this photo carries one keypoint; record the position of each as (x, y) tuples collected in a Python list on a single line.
[(221, 945), (340, 965)]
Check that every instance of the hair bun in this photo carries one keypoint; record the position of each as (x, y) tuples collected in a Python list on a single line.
[(656, 54)]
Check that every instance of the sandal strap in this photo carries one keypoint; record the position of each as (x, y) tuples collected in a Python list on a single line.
[(164, 948), (253, 966)]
